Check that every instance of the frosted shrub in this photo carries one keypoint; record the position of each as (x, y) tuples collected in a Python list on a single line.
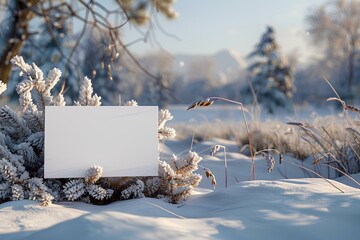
[(22, 135), (93, 174), (74, 189), (178, 177), (134, 191), (22, 151), (131, 103)]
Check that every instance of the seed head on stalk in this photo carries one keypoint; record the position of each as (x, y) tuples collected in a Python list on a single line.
[(209, 101)]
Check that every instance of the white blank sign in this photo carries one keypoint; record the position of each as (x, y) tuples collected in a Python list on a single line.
[(122, 140)]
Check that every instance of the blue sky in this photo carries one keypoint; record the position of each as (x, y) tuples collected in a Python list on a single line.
[(206, 26)]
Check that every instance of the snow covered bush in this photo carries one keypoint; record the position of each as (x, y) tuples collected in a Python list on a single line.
[(176, 175), (22, 135), (22, 151)]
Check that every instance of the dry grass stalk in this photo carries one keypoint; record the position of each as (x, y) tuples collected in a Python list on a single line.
[(352, 108), (209, 101), (318, 160), (210, 175), (333, 143), (342, 102), (353, 131), (317, 174), (214, 150), (269, 158), (347, 175), (328, 145), (202, 103), (280, 158), (270, 162)]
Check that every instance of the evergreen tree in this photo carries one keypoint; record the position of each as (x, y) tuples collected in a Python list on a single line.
[(272, 76)]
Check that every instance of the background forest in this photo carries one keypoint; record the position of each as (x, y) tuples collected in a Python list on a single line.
[(86, 39)]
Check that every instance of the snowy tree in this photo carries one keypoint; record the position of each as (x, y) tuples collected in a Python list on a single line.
[(272, 76), (336, 26)]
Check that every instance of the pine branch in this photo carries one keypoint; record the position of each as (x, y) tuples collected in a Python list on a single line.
[(3, 87), (86, 98), (97, 192), (17, 192), (5, 191), (35, 120), (74, 189), (8, 171), (134, 191), (13, 125)]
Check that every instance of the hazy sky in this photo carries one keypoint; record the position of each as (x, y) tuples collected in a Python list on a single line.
[(206, 26)]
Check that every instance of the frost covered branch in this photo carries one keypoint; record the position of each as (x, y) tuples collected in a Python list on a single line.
[(3, 87)]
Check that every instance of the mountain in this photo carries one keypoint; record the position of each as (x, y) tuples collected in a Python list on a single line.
[(228, 60), (225, 64)]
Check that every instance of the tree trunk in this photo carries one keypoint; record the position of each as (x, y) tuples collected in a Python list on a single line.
[(352, 60), (16, 36), (351, 71)]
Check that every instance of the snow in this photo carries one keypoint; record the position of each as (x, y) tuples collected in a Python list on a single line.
[(285, 204), (231, 113)]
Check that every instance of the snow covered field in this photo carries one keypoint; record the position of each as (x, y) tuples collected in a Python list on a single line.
[(285, 204), (231, 113)]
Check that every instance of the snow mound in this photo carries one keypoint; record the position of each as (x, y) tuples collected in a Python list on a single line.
[(300, 209), (296, 208)]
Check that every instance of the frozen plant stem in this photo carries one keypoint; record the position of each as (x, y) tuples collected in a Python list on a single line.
[(342, 102), (214, 150), (317, 174), (225, 163), (269, 158), (209, 101), (252, 170)]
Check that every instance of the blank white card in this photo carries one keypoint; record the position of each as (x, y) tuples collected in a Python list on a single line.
[(123, 140)]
